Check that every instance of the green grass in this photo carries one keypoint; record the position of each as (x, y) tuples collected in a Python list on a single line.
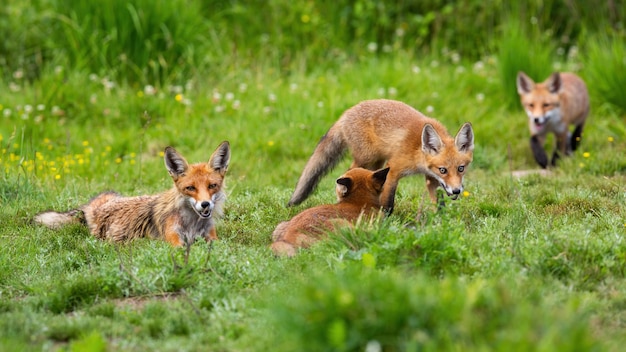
[(605, 54), (537, 263), (532, 263)]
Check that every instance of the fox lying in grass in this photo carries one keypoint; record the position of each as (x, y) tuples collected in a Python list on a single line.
[(358, 192), (180, 215), (552, 106), (379, 132)]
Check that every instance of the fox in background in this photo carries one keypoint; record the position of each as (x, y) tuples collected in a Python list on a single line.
[(552, 106), (180, 215), (379, 132), (358, 193)]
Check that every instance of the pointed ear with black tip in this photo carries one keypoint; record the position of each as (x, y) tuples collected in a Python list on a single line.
[(220, 158), (175, 163), (524, 83), (464, 140), (431, 142), (554, 83), (344, 186), (380, 177)]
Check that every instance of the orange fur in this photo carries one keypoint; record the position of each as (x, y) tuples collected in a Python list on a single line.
[(358, 192), (387, 132), (180, 215)]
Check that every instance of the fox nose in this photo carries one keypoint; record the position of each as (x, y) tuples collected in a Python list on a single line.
[(205, 204), (537, 120), (456, 191)]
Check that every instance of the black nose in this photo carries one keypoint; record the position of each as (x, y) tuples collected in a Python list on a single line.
[(456, 191), (205, 204), (537, 121)]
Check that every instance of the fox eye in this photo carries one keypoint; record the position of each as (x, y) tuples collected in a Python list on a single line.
[(461, 168), (531, 105), (190, 188), (443, 170), (212, 185), (545, 105)]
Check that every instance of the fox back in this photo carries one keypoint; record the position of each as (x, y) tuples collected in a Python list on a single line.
[(180, 215), (552, 106), (387, 132), (358, 193)]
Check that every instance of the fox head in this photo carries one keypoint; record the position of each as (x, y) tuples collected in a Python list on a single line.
[(361, 186), (448, 160), (541, 101), (201, 184)]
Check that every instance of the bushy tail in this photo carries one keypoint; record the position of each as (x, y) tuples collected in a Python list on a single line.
[(55, 220), (327, 154)]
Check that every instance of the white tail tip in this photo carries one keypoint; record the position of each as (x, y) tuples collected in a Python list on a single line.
[(54, 220)]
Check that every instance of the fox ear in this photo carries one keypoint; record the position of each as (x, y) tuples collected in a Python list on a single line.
[(380, 177), (221, 158), (554, 83), (431, 142), (524, 83), (344, 184), (464, 140), (175, 163)]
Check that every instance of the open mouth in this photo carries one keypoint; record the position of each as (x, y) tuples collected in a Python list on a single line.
[(204, 213), (452, 195), (540, 122)]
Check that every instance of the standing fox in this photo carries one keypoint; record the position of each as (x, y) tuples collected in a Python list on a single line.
[(552, 106), (179, 215), (358, 193), (387, 131)]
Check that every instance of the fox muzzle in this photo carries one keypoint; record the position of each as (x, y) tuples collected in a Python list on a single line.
[(203, 208)]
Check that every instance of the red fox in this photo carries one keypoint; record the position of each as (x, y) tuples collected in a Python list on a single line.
[(552, 106), (358, 193), (387, 131), (180, 215)]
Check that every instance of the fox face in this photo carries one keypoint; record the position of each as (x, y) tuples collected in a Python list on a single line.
[(541, 101), (199, 184), (446, 164)]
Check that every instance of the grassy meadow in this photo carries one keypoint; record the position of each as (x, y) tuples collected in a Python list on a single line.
[(90, 98)]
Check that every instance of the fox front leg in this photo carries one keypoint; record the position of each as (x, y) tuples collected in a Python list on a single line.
[(432, 184), (389, 193), (536, 145), (171, 235), (212, 235)]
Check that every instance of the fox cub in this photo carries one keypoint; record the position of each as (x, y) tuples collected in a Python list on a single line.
[(552, 106), (379, 132), (180, 215), (358, 192)]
